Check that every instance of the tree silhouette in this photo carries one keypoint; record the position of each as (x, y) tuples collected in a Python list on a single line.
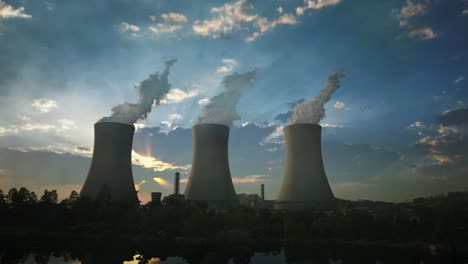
[(2, 199), (49, 197), (21, 197)]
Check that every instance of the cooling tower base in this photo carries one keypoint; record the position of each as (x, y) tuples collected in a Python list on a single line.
[(304, 205)]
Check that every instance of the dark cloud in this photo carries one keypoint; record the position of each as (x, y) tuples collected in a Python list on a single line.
[(454, 117)]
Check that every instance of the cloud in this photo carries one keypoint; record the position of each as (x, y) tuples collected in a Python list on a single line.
[(150, 162), (44, 105), (315, 4), (7, 11), (204, 101), (406, 19), (251, 179), (228, 66), (125, 26), (177, 95), (164, 28), (457, 117), (339, 105), (465, 12), (422, 33), (417, 124), (172, 22), (138, 185), (412, 9), (174, 17), (458, 79), (444, 147), (240, 16), (28, 126), (263, 25), (226, 19)]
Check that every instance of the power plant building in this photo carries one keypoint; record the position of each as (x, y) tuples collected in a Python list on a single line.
[(111, 165), (210, 178), (304, 183)]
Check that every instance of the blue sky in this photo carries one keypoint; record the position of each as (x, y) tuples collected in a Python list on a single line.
[(66, 63)]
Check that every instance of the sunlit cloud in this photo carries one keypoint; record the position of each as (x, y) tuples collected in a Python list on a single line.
[(174, 17), (339, 105), (125, 26), (422, 33), (408, 14), (150, 162), (164, 183), (177, 95), (227, 67), (138, 185), (7, 11), (44, 105), (171, 23)]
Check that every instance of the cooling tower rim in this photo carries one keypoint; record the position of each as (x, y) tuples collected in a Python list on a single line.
[(116, 124), (211, 125), (304, 125)]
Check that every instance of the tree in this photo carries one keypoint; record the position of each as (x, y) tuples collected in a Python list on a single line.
[(49, 197), (21, 197), (2, 199)]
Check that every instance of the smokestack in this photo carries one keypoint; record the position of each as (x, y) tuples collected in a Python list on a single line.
[(262, 189), (304, 182), (156, 198), (176, 183), (210, 179), (111, 165)]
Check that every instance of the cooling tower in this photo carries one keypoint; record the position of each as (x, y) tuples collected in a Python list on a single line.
[(111, 165), (304, 181), (210, 179)]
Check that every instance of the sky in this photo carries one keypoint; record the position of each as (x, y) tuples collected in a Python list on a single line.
[(395, 129)]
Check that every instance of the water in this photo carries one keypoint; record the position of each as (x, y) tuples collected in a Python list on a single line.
[(113, 252)]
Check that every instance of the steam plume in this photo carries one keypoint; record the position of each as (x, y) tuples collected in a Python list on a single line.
[(222, 107), (152, 91), (312, 111)]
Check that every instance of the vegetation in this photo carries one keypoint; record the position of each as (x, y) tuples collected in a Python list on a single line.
[(442, 219)]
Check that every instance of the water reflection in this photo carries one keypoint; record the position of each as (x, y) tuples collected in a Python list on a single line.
[(171, 253)]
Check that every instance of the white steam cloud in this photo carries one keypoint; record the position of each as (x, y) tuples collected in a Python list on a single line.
[(312, 111), (152, 91), (222, 108)]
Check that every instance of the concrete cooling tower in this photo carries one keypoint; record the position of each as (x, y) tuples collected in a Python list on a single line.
[(210, 179), (304, 183), (111, 165)]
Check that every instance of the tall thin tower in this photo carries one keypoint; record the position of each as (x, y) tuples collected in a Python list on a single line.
[(176, 183)]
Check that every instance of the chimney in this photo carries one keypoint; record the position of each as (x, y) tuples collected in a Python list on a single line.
[(262, 187), (155, 198), (304, 183), (210, 179), (176, 183), (111, 165)]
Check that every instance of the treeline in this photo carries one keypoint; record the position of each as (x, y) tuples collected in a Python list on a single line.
[(440, 220)]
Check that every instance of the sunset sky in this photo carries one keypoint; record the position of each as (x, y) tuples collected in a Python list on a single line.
[(396, 128)]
